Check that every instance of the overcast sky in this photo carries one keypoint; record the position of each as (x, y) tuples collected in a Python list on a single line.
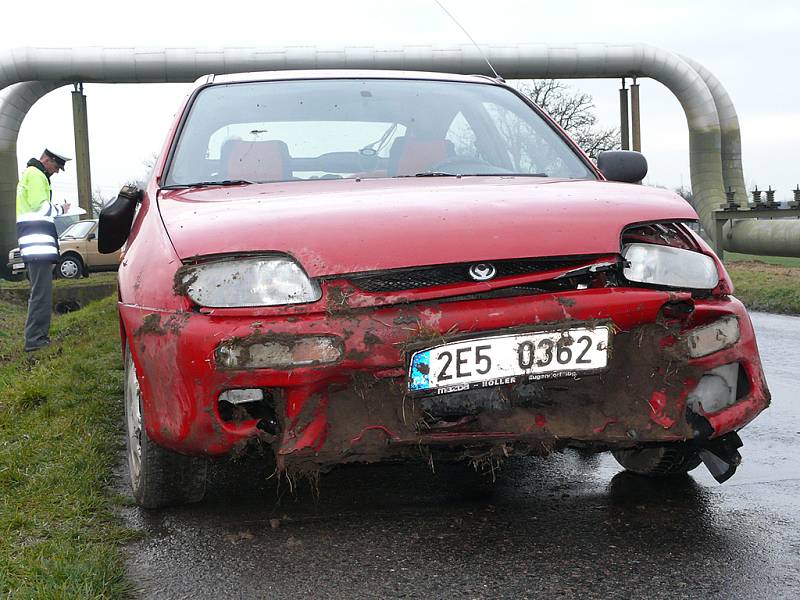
[(752, 47)]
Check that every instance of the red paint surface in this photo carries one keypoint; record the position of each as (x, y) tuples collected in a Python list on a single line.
[(658, 406), (345, 226), (384, 430), (605, 424), (180, 383)]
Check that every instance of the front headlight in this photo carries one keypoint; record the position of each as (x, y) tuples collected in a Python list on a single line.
[(265, 281), (668, 266)]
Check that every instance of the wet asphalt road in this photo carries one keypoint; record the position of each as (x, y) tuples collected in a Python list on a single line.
[(563, 527)]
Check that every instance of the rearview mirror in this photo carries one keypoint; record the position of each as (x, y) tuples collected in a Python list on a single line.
[(116, 219), (622, 165)]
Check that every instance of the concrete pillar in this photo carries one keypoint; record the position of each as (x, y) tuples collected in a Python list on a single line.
[(636, 134), (80, 125), (624, 134)]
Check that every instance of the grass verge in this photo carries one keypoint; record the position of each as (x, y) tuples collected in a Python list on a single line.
[(110, 277), (768, 287), (59, 441), (782, 261), (769, 283)]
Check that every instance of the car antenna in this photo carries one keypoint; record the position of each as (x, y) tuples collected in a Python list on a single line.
[(483, 54)]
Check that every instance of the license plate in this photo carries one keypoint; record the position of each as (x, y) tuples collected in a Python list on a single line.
[(503, 359), (18, 266)]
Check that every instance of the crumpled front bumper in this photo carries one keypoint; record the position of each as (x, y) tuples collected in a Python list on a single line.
[(358, 408)]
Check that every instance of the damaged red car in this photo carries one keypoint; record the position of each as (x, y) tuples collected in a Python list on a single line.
[(349, 266)]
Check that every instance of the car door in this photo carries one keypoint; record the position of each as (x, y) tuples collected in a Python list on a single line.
[(91, 255), (96, 261)]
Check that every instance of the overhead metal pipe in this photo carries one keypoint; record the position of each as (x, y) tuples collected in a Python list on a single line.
[(730, 134), (779, 237), (714, 139), (749, 236), (15, 102), (121, 65)]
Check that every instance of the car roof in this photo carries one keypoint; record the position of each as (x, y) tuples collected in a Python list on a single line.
[(340, 74)]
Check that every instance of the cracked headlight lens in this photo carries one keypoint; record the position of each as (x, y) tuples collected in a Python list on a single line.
[(266, 281), (668, 266)]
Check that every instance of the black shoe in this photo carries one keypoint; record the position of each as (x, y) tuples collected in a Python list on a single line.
[(39, 347)]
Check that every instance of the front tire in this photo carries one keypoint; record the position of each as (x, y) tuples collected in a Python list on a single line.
[(69, 266), (658, 461), (159, 477)]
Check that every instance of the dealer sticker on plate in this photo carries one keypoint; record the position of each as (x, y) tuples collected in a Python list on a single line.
[(503, 359)]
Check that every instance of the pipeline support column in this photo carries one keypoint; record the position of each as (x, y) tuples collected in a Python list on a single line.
[(636, 131), (625, 138), (80, 125)]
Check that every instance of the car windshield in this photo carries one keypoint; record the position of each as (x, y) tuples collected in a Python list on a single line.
[(77, 230), (242, 133)]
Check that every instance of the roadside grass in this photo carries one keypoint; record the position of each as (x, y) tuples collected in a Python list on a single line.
[(735, 257), (768, 283), (109, 277), (767, 287), (59, 441)]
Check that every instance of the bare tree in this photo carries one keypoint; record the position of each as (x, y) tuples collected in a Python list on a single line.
[(99, 200), (149, 164), (686, 194), (574, 111)]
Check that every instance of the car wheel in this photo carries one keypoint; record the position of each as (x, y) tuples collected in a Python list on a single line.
[(159, 477), (69, 267), (16, 277), (658, 461)]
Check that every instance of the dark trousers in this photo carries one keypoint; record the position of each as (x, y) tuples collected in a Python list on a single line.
[(40, 305)]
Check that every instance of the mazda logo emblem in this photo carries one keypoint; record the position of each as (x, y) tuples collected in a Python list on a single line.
[(482, 271)]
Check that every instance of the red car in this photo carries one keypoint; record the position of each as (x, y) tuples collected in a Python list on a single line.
[(350, 266)]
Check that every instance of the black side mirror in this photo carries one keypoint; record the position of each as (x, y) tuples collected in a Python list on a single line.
[(116, 219), (622, 165), (90, 237)]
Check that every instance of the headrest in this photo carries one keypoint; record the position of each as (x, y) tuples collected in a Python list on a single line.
[(410, 155), (266, 160)]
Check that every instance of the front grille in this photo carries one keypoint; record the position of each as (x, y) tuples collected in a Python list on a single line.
[(422, 277), (16, 255)]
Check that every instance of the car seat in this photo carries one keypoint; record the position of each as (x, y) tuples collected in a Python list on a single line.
[(410, 155), (266, 160)]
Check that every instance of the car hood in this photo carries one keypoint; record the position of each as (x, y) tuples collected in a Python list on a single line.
[(350, 226)]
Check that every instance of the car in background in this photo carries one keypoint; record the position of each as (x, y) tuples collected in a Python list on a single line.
[(356, 266), (79, 255)]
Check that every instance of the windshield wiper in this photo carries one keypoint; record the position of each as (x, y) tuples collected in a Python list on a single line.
[(437, 174), (443, 174), (224, 182)]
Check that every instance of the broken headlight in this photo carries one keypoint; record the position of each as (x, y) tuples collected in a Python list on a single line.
[(672, 267), (264, 281)]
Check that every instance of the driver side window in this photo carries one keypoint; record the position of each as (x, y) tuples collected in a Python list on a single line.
[(463, 138), (529, 150)]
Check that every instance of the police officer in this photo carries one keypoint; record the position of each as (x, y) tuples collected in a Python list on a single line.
[(38, 241)]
